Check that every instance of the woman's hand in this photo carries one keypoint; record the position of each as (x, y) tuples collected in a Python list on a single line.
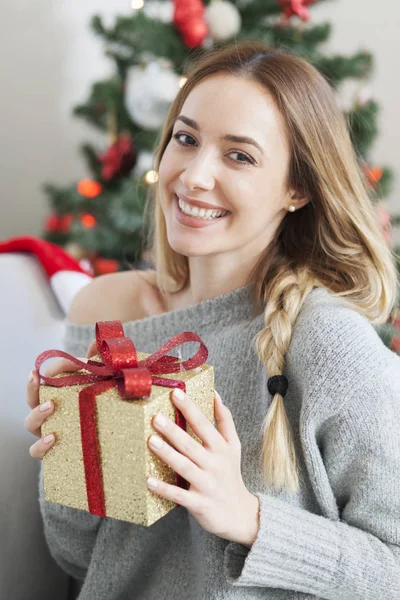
[(40, 412), (217, 497)]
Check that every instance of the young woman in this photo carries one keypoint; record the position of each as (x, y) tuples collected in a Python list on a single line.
[(265, 244)]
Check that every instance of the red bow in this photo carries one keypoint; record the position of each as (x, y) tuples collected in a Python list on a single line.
[(132, 378)]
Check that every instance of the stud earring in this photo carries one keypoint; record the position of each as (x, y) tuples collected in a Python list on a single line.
[(292, 208)]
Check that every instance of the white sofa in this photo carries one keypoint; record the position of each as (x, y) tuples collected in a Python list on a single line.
[(30, 321)]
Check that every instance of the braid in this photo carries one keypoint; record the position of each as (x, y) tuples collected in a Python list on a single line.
[(286, 295)]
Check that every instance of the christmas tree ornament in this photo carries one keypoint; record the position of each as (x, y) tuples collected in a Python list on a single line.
[(119, 159), (103, 266), (66, 276), (189, 20), (159, 10), (89, 188), (149, 92), (52, 223), (364, 95), (144, 163), (296, 7), (195, 33), (223, 20), (59, 223), (185, 10)]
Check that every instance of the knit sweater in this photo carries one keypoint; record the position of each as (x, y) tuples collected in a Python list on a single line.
[(338, 538)]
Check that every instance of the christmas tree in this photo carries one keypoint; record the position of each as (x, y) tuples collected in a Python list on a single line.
[(100, 219)]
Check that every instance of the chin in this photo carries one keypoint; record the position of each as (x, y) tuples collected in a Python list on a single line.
[(187, 247)]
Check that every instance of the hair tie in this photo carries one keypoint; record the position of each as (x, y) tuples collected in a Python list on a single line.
[(278, 384)]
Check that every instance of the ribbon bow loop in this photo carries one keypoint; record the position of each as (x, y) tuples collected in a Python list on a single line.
[(118, 353), (120, 364)]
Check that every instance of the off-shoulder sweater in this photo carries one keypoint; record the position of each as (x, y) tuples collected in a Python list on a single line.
[(337, 538)]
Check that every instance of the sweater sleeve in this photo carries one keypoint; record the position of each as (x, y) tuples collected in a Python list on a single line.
[(70, 533), (358, 556)]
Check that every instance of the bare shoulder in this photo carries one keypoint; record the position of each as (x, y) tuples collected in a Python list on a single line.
[(124, 296)]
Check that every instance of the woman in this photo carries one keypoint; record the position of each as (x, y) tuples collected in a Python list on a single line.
[(265, 243)]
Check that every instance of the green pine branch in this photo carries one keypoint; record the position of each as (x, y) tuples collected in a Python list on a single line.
[(137, 35), (363, 125), (337, 68)]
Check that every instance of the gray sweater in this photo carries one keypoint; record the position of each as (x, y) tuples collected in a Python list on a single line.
[(338, 538)]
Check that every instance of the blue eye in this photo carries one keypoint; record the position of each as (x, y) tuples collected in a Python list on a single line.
[(247, 160)]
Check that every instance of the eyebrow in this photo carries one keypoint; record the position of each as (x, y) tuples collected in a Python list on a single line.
[(240, 139)]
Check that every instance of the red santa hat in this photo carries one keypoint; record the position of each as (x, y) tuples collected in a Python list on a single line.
[(66, 276)]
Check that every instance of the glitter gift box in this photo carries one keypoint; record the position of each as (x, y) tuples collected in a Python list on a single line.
[(103, 440)]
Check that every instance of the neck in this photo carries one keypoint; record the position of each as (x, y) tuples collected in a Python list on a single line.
[(214, 276)]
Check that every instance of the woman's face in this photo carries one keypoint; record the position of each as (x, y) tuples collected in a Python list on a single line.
[(205, 169)]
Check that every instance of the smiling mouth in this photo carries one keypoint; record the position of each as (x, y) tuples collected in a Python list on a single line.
[(200, 213)]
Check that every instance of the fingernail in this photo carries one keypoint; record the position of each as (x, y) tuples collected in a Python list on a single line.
[(45, 406), (161, 419), (218, 397), (156, 441), (178, 395), (152, 482), (48, 438), (31, 377)]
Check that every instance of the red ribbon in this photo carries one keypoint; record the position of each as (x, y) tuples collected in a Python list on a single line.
[(133, 379)]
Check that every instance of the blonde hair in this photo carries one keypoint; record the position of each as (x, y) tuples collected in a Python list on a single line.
[(333, 242)]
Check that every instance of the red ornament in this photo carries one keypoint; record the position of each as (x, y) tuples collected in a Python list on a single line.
[(188, 19), (89, 188), (103, 266), (119, 159), (59, 223), (296, 7), (186, 10), (52, 223), (195, 33)]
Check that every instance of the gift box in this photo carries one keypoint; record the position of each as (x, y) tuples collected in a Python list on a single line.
[(103, 419)]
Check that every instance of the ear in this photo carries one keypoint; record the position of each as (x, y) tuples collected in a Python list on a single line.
[(297, 198)]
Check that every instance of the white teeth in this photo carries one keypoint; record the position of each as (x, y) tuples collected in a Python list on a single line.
[(201, 213)]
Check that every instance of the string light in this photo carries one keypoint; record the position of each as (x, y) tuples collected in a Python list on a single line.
[(89, 188), (151, 176), (137, 4), (88, 221)]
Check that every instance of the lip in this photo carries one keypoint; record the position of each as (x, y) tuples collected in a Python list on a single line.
[(194, 222), (199, 203)]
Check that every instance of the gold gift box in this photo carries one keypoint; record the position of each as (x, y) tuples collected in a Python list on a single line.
[(123, 428)]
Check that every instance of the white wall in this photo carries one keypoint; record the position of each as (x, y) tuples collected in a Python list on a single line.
[(49, 58)]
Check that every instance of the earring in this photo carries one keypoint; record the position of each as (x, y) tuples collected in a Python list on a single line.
[(292, 208)]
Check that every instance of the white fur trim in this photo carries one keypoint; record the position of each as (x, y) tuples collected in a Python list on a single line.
[(66, 284)]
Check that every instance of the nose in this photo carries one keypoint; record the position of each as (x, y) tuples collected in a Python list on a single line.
[(199, 173)]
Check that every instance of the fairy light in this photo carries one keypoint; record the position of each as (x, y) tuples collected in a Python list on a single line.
[(151, 176), (88, 221), (137, 4)]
